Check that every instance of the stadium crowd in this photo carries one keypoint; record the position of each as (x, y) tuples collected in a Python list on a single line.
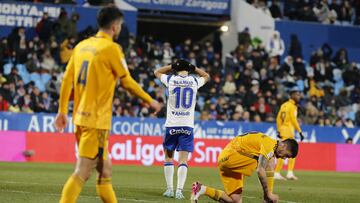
[(340, 12), (249, 86)]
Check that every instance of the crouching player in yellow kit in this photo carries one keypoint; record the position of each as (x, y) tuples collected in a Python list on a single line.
[(287, 123), (92, 72), (241, 157)]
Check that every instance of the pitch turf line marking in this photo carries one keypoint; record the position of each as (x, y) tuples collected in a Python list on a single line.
[(136, 200), (85, 196), (251, 197)]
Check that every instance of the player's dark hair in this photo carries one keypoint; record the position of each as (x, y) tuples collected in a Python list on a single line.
[(182, 65), (292, 146), (107, 15)]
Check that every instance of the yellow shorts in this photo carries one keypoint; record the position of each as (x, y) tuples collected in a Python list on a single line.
[(233, 167), (286, 134), (92, 142)]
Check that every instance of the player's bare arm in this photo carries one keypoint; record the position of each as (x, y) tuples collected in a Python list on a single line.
[(203, 74), (162, 70), (261, 171)]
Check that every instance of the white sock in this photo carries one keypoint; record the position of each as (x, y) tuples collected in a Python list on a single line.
[(290, 173), (181, 176), (169, 174)]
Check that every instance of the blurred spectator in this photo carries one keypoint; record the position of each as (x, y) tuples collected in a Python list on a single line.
[(4, 105), (229, 87), (66, 49), (275, 47), (44, 27), (275, 9), (244, 37), (295, 49), (324, 14), (72, 26), (346, 13)]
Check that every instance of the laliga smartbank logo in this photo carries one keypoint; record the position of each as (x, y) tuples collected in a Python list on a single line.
[(137, 151), (179, 131)]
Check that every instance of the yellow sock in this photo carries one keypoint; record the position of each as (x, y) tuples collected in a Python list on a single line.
[(279, 165), (270, 180), (72, 189), (213, 193), (105, 190), (291, 164)]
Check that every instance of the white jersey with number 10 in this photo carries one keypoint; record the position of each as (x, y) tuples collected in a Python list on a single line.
[(181, 100)]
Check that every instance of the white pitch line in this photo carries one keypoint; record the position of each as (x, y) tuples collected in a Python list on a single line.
[(136, 200), (83, 196), (251, 197)]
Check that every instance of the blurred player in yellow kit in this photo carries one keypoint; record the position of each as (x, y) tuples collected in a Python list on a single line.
[(287, 123), (92, 72), (241, 157)]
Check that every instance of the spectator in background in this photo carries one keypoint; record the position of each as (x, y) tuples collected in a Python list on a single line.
[(275, 46), (346, 13), (306, 13), (168, 53), (48, 63), (14, 76), (66, 49), (17, 35), (244, 38), (63, 23), (291, 8), (72, 25), (53, 87), (44, 27), (324, 14), (295, 49), (229, 87), (275, 9), (4, 105), (341, 58)]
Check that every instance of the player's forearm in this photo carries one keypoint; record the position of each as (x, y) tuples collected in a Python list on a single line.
[(295, 124), (202, 73), (262, 178), (162, 70), (65, 93), (134, 88)]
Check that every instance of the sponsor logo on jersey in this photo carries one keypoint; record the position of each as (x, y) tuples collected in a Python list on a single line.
[(180, 131), (179, 113)]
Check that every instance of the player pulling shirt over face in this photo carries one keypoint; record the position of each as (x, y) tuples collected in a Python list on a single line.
[(182, 90)]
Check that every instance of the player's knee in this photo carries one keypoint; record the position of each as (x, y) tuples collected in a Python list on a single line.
[(236, 198), (167, 159), (106, 173), (83, 174), (183, 161)]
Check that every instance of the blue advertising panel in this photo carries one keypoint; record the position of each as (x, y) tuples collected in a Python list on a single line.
[(27, 15), (215, 7), (155, 127)]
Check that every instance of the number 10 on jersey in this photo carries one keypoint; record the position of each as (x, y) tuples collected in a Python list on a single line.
[(184, 97)]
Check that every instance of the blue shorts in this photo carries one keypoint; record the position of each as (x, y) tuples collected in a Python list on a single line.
[(179, 138)]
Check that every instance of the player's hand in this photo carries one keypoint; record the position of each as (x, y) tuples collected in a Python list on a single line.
[(271, 198), (155, 105), (301, 136), (60, 122), (278, 135)]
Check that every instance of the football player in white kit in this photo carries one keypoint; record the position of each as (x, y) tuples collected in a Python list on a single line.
[(182, 89)]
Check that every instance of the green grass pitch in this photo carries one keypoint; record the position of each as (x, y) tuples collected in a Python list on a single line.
[(39, 182)]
